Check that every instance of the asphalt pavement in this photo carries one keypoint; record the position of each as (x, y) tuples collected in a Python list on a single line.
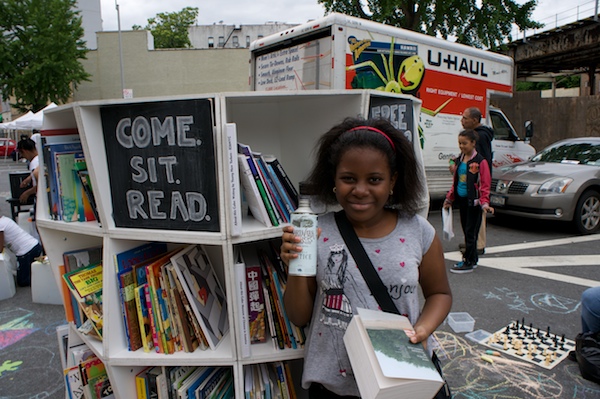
[(534, 273)]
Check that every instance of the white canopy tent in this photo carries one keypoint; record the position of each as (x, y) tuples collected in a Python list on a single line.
[(29, 121)]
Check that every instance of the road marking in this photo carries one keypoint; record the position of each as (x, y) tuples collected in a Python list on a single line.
[(528, 264)]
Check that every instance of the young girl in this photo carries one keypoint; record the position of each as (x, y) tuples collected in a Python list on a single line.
[(23, 245), (471, 192), (369, 168)]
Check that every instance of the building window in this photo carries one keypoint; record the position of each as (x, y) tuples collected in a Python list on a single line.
[(221, 41), (247, 41), (211, 42), (235, 41)]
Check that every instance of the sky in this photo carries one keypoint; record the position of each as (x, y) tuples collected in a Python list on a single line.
[(137, 12)]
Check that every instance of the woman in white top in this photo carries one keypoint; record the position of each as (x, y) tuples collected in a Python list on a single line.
[(23, 245)]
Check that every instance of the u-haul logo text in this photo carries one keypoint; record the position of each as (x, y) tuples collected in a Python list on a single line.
[(456, 63)]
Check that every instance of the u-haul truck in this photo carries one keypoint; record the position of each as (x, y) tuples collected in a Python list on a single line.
[(342, 52)]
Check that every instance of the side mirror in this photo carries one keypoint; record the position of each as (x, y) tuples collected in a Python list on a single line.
[(528, 129)]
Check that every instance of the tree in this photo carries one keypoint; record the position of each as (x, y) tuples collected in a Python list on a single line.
[(170, 29), (479, 23), (40, 49)]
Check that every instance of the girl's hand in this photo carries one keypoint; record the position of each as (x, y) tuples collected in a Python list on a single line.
[(447, 204), (488, 209), (289, 249), (418, 335)]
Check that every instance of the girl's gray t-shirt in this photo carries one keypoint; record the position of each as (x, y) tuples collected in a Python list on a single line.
[(342, 289)]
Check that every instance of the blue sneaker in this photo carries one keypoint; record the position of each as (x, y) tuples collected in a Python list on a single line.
[(461, 268), (461, 263)]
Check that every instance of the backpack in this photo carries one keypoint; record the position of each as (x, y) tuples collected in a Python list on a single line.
[(587, 352)]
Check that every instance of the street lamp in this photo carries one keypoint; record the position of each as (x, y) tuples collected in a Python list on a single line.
[(120, 50)]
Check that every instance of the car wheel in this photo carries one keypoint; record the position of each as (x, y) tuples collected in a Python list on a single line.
[(587, 212)]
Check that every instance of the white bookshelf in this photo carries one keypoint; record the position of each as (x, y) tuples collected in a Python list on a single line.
[(286, 125)]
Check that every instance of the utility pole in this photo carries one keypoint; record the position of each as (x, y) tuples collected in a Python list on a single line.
[(120, 50)]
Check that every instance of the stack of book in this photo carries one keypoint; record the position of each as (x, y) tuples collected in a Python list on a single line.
[(85, 374), (269, 380), (69, 189), (185, 382), (267, 189), (263, 317), (171, 300)]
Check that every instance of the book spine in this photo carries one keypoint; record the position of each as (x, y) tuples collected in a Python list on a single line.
[(243, 314), (281, 212), (263, 191), (122, 283), (140, 301), (234, 179), (277, 321), (290, 207), (256, 304), (284, 178), (157, 344)]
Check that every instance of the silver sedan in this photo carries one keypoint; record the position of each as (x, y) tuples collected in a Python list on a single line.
[(561, 182)]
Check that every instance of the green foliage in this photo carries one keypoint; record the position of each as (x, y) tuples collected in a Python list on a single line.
[(478, 23), (40, 49), (170, 30), (567, 82)]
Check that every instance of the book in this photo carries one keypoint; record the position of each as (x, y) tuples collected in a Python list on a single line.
[(143, 317), (283, 178), (279, 208), (385, 363), (86, 286), (138, 254), (260, 183), (204, 292), (129, 308), (234, 179), (187, 335), (253, 197), (86, 184), (242, 293), (256, 301), (67, 198)]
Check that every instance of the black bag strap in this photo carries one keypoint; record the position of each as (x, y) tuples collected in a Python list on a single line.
[(378, 289)]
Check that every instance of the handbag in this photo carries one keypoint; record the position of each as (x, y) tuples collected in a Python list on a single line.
[(587, 353), (378, 289)]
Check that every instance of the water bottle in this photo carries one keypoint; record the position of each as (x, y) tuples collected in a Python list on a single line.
[(304, 221)]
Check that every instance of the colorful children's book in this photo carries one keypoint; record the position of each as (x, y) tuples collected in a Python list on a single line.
[(139, 254), (204, 292), (86, 286), (132, 326)]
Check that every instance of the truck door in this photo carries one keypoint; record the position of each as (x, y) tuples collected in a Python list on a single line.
[(507, 147)]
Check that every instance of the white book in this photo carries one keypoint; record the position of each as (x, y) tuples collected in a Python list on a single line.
[(234, 179), (242, 292), (251, 193), (385, 364)]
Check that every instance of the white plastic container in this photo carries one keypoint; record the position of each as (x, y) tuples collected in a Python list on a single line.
[(461, 322)]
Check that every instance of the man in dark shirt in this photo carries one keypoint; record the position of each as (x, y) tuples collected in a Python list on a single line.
[(471, 119)]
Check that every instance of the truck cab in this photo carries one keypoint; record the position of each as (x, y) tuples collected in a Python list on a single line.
[(507, 146)]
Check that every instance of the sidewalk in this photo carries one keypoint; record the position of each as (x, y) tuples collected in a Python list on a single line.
[(30, 366)]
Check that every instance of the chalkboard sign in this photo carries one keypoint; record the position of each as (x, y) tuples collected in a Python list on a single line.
[(399, 111), (161, 165)]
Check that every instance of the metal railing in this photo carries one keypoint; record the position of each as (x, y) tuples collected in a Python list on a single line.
[(562, 18)]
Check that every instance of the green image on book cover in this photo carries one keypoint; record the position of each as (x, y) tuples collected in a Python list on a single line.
[(399, 358)]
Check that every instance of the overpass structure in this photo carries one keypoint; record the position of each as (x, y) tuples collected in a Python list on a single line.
[(570, 49)]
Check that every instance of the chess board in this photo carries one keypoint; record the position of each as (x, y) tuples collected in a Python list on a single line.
[(530, 344)]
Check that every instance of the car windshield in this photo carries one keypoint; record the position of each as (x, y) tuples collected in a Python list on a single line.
[(579, 153)]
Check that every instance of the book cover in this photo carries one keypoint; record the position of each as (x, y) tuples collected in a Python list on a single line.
[(89, 201), (154, 328), (186, 331), (251, 194), (385, 363), (234, 179), (74, 383), (277, 203), (204, 292), (65, 167), (85, 285)]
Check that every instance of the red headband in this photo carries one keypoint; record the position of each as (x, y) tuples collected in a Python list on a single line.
[(374, 129)]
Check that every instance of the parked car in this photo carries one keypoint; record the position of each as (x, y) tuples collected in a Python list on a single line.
[(8, 148), (561, 182)]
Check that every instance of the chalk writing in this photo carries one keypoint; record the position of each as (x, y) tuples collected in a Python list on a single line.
[(161, 162), (555, 303)]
